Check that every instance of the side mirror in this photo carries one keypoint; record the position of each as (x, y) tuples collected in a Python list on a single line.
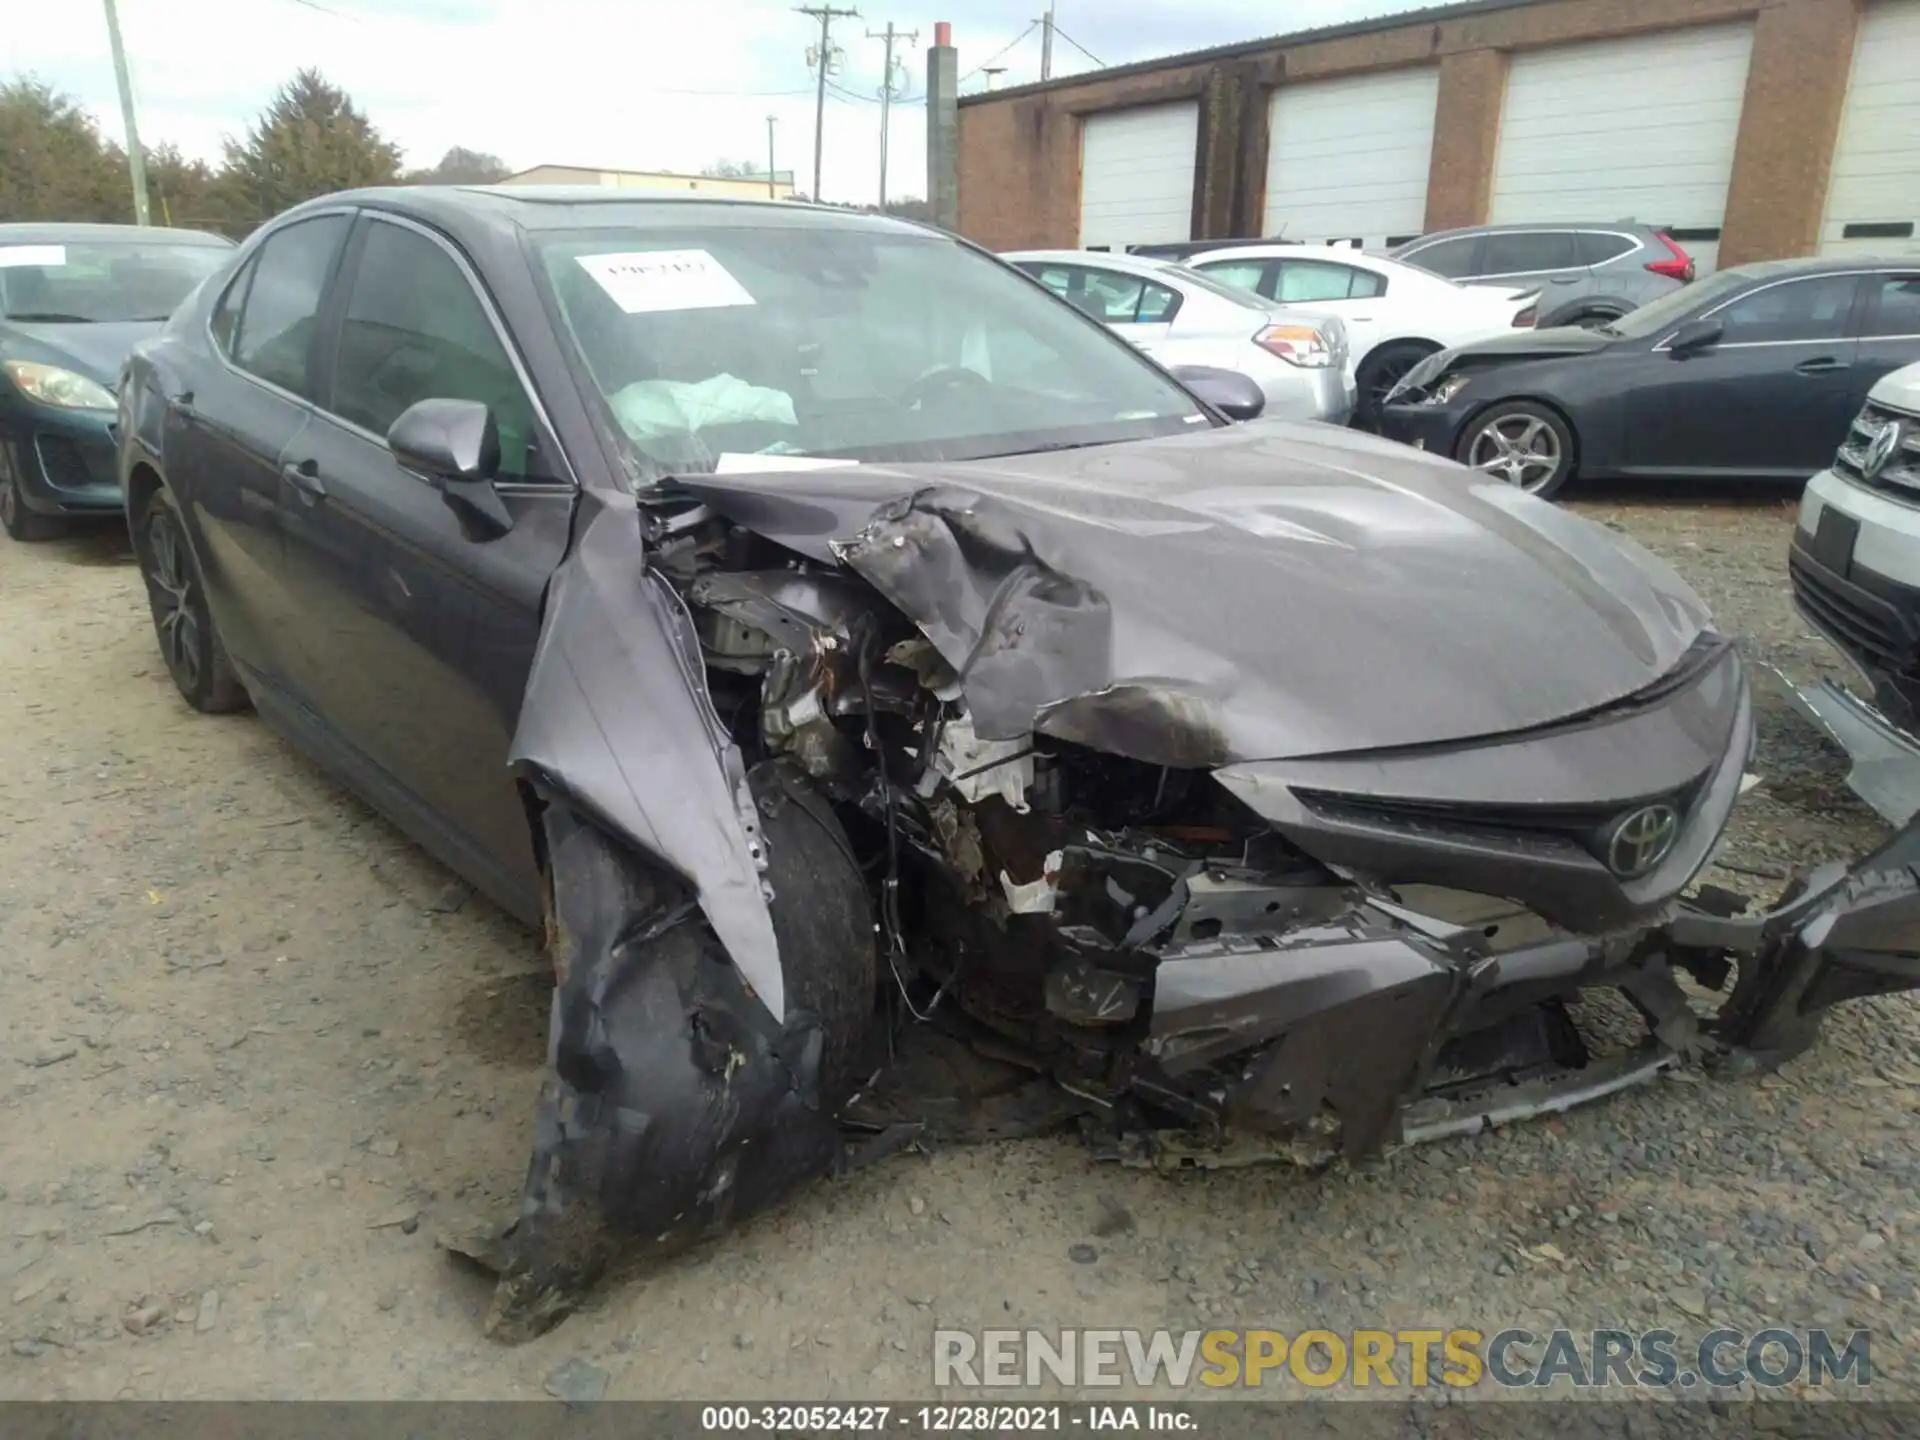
[(1694, 336), (1228, 391), (455, 445)]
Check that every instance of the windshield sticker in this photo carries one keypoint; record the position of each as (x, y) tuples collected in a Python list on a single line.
[(14, 255), (647, 280)]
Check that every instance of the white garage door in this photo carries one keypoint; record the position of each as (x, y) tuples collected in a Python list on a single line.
[(1347, 159), (1639, 129), (1874, 192), (1136, 175)]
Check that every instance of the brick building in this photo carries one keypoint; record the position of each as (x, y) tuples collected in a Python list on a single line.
[(1751, 128)]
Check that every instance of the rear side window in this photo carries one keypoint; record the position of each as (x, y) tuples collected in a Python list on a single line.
[(1309, 280), (226, 315), (1516, 252), (1812, 309), (1898, 312), (415, 330), (1596, 247), (1450, 259), (274, 336)]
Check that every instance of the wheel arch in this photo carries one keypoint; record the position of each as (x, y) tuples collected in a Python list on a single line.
[(1399, 342)]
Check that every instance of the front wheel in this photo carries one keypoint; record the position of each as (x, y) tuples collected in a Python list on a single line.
[(1526, 445), (20, 522), (177, 596)]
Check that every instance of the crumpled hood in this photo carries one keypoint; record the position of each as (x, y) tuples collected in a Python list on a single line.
[(1260, 591)]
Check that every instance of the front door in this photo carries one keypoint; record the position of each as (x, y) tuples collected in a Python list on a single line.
[(420, 635), (1889, 331), (1770, 398)]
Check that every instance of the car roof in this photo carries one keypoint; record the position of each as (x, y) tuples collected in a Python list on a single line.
[(57, 232), (468, 211), (1616, 226)]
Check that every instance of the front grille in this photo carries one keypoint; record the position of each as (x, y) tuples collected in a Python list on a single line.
[(63, 462), (1899, 477), (1864, 623)]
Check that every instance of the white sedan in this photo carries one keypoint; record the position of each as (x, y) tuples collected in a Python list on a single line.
[(1396, 314), (1297, 357)]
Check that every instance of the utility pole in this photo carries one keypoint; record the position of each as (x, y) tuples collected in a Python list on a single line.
[(136, 159), (823, 59), (911, 37), (1046, 43), (772, 193)]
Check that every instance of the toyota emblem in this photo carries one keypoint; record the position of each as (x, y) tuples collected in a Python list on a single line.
[(1880, 449), (1641, 840)]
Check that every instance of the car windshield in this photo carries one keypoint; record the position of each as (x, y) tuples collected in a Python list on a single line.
[(862, 344), (1676, 305), (101, 282)]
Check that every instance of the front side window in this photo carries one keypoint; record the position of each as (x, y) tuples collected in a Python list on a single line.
[(1812, 309), (415, 330), (1898, 311), (274, 336), (102, 282), (1449, 259), (1309, 280), (855, 342), (1522, 251)]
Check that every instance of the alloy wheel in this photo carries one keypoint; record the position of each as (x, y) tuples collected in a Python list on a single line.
[(1519, 449), (1387, 374), (175, 612)]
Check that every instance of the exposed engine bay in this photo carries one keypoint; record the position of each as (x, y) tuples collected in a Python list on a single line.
[(1129, 917)]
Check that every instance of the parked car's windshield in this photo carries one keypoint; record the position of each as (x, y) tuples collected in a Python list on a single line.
[(1676, 305), (101, 282), (863, 344)]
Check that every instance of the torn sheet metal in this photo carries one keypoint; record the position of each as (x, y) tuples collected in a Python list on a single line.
[(603, 723), (1243, 594), (1885, 760)]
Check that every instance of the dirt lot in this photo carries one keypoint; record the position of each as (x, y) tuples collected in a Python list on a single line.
[(248, 1035)]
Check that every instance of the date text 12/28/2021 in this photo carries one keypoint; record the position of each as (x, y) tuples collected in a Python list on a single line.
[(963, 1419)]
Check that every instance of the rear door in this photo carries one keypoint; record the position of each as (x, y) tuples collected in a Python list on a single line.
[(418, 636), (1524, 259), (227, 433), (1889, 330), (1772, 397)]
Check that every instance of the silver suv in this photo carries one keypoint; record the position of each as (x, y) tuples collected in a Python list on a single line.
[(1588, 274)]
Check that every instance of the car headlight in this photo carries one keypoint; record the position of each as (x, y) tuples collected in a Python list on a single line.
[(1304, 345), (1441, 391), (50, 385)]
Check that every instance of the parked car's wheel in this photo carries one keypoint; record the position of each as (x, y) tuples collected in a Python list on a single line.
[(1588, 314), (1380, 372), (177, 596), (20, 522), (1522, 443)]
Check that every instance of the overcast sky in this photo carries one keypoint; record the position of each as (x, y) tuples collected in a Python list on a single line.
[(627, 84)]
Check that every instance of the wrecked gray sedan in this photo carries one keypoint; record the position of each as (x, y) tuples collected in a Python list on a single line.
[(913, 715)]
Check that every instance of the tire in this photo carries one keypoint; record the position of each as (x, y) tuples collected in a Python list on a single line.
[(1378, 373), (1527, 445), (182, 624), (21, 523)]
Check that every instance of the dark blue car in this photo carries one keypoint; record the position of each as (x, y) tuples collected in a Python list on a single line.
[(74, 300)]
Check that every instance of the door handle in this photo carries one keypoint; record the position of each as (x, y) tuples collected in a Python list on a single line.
[(304, 476), (181, 404), (1825, 365)]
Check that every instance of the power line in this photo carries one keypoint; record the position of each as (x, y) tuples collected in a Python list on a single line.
[(1078, 46), (998, 53)]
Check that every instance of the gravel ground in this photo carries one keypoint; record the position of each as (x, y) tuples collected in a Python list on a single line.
[(255, 1049)]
